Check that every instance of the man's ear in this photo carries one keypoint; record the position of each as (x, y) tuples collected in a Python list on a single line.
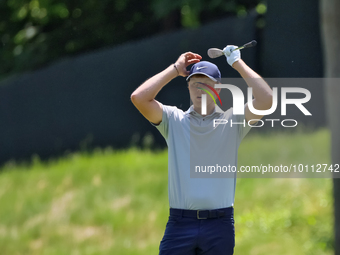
[(219, 89)]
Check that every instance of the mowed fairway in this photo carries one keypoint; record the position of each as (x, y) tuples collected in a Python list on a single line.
[(115, 202)]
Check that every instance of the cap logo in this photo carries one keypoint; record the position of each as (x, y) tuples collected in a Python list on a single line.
[(201, 67)]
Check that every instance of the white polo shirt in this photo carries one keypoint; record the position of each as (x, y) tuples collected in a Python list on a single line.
[(194, 145)]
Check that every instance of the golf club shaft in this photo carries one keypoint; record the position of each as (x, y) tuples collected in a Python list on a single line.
[(239, 48)]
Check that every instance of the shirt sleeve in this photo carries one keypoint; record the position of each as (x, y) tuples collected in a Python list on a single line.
[(163, 127)]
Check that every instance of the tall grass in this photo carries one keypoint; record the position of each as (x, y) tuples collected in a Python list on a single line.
[(115, 202)]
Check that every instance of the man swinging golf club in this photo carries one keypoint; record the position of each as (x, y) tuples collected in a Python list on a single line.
[(201, 209)]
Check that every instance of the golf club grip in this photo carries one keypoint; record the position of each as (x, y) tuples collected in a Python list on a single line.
[(247, 45)]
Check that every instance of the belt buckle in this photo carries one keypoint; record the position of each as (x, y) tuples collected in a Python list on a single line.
[(198, 215)]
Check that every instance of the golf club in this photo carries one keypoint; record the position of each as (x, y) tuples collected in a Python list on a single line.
[(215, 52)]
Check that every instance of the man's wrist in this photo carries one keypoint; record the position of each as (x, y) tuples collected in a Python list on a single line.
[(176, 69), (238, 65), (171, 71)]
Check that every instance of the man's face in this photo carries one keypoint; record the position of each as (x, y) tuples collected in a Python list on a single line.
[(196, 84)]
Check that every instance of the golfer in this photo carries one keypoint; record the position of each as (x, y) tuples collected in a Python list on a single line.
[(201, 209)]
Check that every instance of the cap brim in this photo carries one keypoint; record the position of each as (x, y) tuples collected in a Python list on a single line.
[(203, 74)]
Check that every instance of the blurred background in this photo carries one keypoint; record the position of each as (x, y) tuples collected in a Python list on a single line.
[(82, 172)]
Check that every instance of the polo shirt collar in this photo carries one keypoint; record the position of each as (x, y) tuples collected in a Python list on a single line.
[(193, 112)]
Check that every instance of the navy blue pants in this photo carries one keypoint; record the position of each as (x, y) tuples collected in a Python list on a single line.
[(188, 235)]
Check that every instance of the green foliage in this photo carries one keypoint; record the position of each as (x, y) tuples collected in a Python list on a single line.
[(115, 202), (34, 33)]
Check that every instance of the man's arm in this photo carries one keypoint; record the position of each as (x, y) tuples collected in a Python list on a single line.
[(144, 96), (262, 93)]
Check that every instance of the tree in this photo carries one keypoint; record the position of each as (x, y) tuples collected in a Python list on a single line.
[(34, 33), (330, 25)]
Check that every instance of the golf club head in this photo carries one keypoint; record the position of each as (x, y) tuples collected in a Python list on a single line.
[(215, 53)]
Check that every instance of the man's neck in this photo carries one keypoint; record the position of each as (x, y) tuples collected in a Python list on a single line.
[(210, 110)]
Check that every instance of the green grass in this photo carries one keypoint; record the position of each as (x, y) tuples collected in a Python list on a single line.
[(115, 202)]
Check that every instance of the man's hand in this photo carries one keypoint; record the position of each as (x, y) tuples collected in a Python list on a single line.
[(232, 56), (185, 60)]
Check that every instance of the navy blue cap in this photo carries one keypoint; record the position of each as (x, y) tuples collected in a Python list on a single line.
[(206, 68)]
